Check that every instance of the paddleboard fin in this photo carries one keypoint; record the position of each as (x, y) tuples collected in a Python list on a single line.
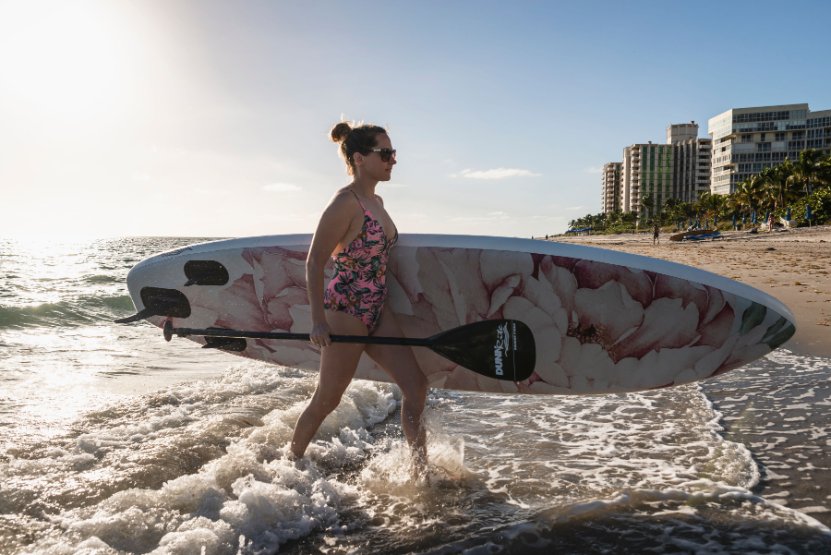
[(159, 301), (140, 315)]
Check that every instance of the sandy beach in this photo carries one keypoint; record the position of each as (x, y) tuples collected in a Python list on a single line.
[(793, 266)]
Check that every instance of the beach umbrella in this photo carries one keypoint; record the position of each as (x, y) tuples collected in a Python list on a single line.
[(753, 217), (788, 214), (808, 213), (734, 221)]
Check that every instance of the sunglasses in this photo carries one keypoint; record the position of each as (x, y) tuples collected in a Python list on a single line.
[(384, 153)]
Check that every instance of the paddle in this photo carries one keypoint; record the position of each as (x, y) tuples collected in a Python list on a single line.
[(498, 349)]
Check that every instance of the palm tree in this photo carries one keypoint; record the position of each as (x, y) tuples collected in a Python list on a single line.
[(711, 205), (807, 172), (776, 181), (674, 209), (754, 192), (824, 171), (778, 186), (647, 205)]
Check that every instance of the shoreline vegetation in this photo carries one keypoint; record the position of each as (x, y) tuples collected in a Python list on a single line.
[(796, 194), (793, 265)]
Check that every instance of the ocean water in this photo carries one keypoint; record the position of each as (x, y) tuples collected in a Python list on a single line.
[(113, 441)]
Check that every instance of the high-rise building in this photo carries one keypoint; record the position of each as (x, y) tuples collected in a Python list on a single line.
[(611, 187), (679, 169), (646, 173), (691, 161), (819, 131), (748, 140), (680, 132)]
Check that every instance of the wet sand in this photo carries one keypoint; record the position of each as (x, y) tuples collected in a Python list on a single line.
[(793, 266)]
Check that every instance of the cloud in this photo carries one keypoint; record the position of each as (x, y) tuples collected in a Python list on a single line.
[(281, 188), (496, 173)]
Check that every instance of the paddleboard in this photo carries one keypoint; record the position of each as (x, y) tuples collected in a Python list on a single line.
[(696, 235), (603, 321)]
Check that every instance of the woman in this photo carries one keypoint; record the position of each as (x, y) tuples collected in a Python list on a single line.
[(356, 231)]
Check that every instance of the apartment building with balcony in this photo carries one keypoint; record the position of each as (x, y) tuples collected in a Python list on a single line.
[(745, 141), (611, 196), (818, 134), (646, 172), (691, 161), (678, 169)]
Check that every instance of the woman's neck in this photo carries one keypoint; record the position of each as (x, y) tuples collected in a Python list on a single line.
[(364, 188)]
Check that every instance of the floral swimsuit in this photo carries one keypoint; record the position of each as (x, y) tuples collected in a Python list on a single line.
[(359, 284)]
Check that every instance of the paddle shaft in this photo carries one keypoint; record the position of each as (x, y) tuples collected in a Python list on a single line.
[(497, 349), (409, 341)]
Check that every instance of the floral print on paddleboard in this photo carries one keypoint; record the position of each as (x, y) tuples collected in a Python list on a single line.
[(599, 327)]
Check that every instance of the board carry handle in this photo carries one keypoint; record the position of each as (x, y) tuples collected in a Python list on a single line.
[(498, 349)]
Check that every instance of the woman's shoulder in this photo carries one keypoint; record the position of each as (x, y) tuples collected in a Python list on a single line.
[(344, 195), (344, 202)]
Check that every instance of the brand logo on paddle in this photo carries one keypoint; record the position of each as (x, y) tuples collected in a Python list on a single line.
[(501, 348)]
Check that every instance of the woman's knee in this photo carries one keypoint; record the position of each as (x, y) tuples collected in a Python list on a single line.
[(324, 403), (416, 394)]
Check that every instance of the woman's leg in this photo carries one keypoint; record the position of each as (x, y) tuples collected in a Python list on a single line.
[(338, 362), (400, 363)]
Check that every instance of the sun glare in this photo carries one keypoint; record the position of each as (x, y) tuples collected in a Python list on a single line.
[(66, 61)]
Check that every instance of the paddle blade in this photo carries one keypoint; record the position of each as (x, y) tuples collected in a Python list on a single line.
[(498, 349)]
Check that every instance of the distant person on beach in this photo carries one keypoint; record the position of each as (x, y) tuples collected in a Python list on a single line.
[(656, 234), (358, 234), (770, 221)]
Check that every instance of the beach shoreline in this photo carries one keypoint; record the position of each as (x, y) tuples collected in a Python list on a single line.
[(794, 266)]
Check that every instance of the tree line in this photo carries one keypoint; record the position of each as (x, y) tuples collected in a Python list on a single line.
[(798, 191)]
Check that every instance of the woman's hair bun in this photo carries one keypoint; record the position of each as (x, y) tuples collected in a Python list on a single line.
[(340, 132)]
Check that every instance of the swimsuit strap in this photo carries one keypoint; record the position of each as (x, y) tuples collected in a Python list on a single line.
[(358, 199)]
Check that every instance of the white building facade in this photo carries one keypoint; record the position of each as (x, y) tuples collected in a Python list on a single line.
[(611, 194), (646, 173), (679, 169), (691, 161), (745, 141)]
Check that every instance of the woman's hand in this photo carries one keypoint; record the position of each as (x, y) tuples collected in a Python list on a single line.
[(319, 336)]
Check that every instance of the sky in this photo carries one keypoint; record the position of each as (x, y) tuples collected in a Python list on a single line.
[(202, 118)]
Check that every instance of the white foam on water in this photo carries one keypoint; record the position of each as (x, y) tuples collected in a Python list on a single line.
[(782, 418), (690, 519), (209, 467), (202, 466), (652, 464)]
